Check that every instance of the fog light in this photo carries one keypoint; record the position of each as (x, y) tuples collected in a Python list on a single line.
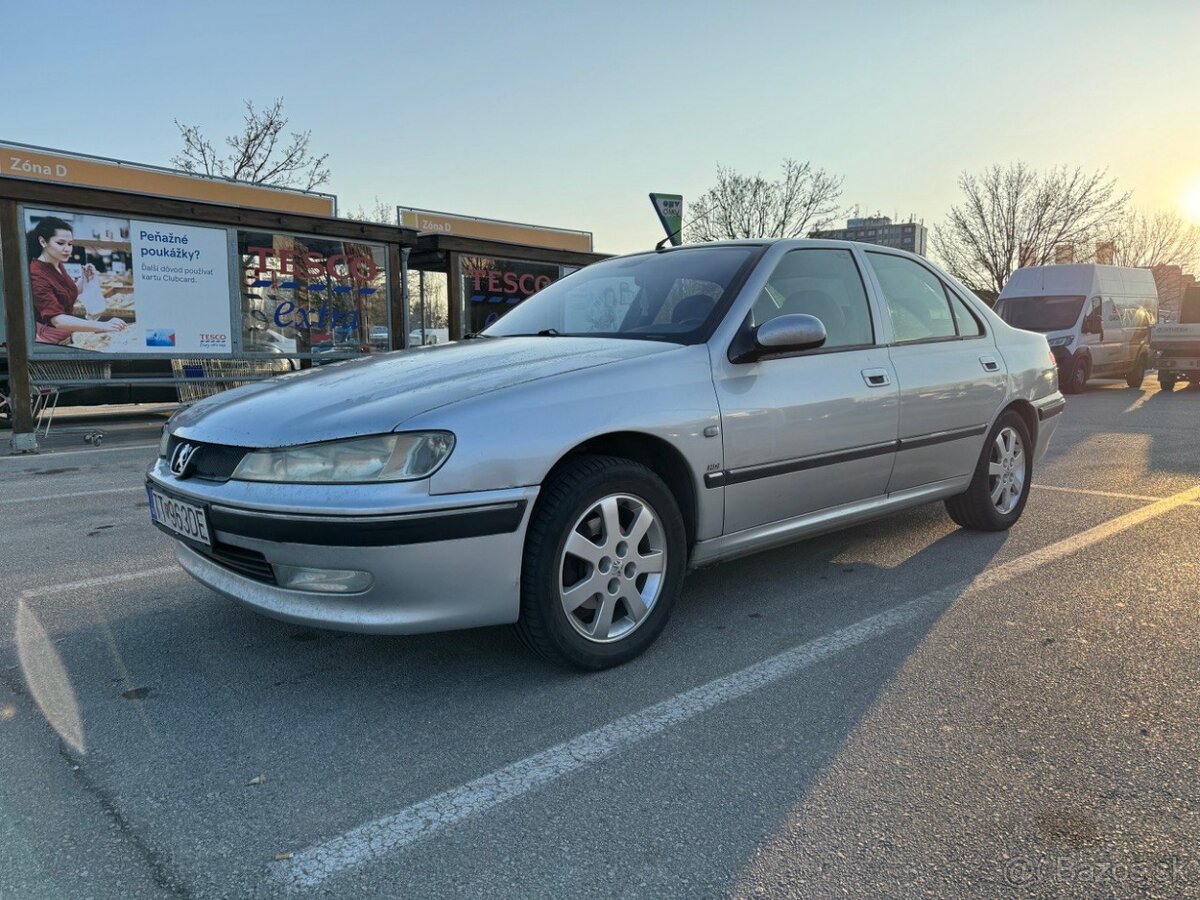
[(322, 581)]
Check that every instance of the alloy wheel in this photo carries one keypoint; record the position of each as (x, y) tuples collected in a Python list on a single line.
[(611, 572), (1006, 470)]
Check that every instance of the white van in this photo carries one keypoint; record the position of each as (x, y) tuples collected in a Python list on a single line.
[(1097, 319)]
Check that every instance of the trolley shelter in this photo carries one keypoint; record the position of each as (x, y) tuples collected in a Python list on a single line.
[(114, 274), (486, 267)]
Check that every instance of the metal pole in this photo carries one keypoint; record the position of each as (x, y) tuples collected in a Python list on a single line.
[(24, 438), (404, 312), (454, 296), (421, 297)]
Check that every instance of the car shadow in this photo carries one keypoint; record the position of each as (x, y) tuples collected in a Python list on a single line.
[(174, 700), (1169, 444)]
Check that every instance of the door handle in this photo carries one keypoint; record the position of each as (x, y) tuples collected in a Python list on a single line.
[(876, 377), (989, 364)]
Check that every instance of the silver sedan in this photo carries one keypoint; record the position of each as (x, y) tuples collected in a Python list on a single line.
[(646, 415)]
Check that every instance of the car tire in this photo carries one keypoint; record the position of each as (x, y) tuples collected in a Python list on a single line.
[(570, 546), (1078, 375), (1004, 465), (1138, 373), (1166, 382)]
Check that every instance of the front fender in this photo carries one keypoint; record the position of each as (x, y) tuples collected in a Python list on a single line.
[(513, 437)]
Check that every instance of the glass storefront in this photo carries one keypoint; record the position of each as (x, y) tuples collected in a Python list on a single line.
[(492, 286), (305, 295)]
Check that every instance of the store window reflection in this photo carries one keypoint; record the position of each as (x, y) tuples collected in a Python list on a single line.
[(428, 313), (492, 287)]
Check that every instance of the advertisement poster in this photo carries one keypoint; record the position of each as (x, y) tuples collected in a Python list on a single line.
[(306, 295), (114, 285)]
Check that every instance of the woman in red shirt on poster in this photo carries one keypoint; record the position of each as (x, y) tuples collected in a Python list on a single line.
[(54, 291)]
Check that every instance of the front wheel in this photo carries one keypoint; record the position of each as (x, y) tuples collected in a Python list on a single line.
[(1000, 486), (1166, 382), (604, 561), (1078, 375), (1138, 373)]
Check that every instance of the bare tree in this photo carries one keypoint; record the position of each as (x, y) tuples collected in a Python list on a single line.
[(1013, 216), (1152, 239), (750, 206), (258, 154), (379, 211)]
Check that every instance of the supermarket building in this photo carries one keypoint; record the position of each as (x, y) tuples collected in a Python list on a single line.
[(185, 284)]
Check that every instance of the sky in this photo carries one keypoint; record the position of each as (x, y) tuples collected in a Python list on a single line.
[(568, 114)]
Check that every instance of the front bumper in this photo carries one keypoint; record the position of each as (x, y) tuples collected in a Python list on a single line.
[(437, 562)]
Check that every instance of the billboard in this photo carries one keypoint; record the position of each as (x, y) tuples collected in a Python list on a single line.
[(38, 164), (107, 284), (429, 222)]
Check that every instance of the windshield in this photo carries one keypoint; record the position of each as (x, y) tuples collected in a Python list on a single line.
[(652, 296), (1040, 313)]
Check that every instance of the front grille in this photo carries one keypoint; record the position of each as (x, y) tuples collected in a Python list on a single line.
[(249, 563), (212, 462)]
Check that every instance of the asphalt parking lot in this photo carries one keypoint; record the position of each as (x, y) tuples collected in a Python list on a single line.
[(899, 709)]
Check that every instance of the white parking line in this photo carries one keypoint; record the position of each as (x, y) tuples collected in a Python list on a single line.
[(55, 454), (99, 581), (310, 867), (46, 497), (1114, 494)]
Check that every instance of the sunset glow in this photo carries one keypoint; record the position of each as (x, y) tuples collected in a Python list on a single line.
[(1190, 201)]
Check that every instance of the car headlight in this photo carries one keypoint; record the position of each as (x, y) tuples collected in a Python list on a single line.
[(1062, 341), (385, 457)]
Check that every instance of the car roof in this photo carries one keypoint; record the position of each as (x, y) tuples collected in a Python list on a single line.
[(795, 242)]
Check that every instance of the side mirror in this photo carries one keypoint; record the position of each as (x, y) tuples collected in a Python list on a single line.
[(792, 332), (783, 334)]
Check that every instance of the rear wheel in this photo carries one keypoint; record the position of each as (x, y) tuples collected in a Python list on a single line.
[(604, 561), (1138, 373), (1166, 382), (1000, 486), (1078, 375)]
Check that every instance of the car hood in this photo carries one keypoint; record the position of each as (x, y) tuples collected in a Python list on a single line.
[(378, 394)]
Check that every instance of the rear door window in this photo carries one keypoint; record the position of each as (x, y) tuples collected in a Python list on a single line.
[(915, 299), (964, 318)]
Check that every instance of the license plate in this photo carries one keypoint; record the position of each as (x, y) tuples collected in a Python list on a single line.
[(185, 519)]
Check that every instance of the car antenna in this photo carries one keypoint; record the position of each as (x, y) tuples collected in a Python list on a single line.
[(659, 246)]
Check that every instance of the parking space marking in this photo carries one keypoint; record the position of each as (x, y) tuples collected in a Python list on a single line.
[(99, 581), (1114, 494), (33, 457), (46, 497), (310, 867)]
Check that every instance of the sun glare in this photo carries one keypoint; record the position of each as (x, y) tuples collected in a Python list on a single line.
[(1190, 201)]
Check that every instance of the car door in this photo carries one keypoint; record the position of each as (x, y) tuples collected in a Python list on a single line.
[(808, 430), (951, 377), (1118, 333), (1091, 329)]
